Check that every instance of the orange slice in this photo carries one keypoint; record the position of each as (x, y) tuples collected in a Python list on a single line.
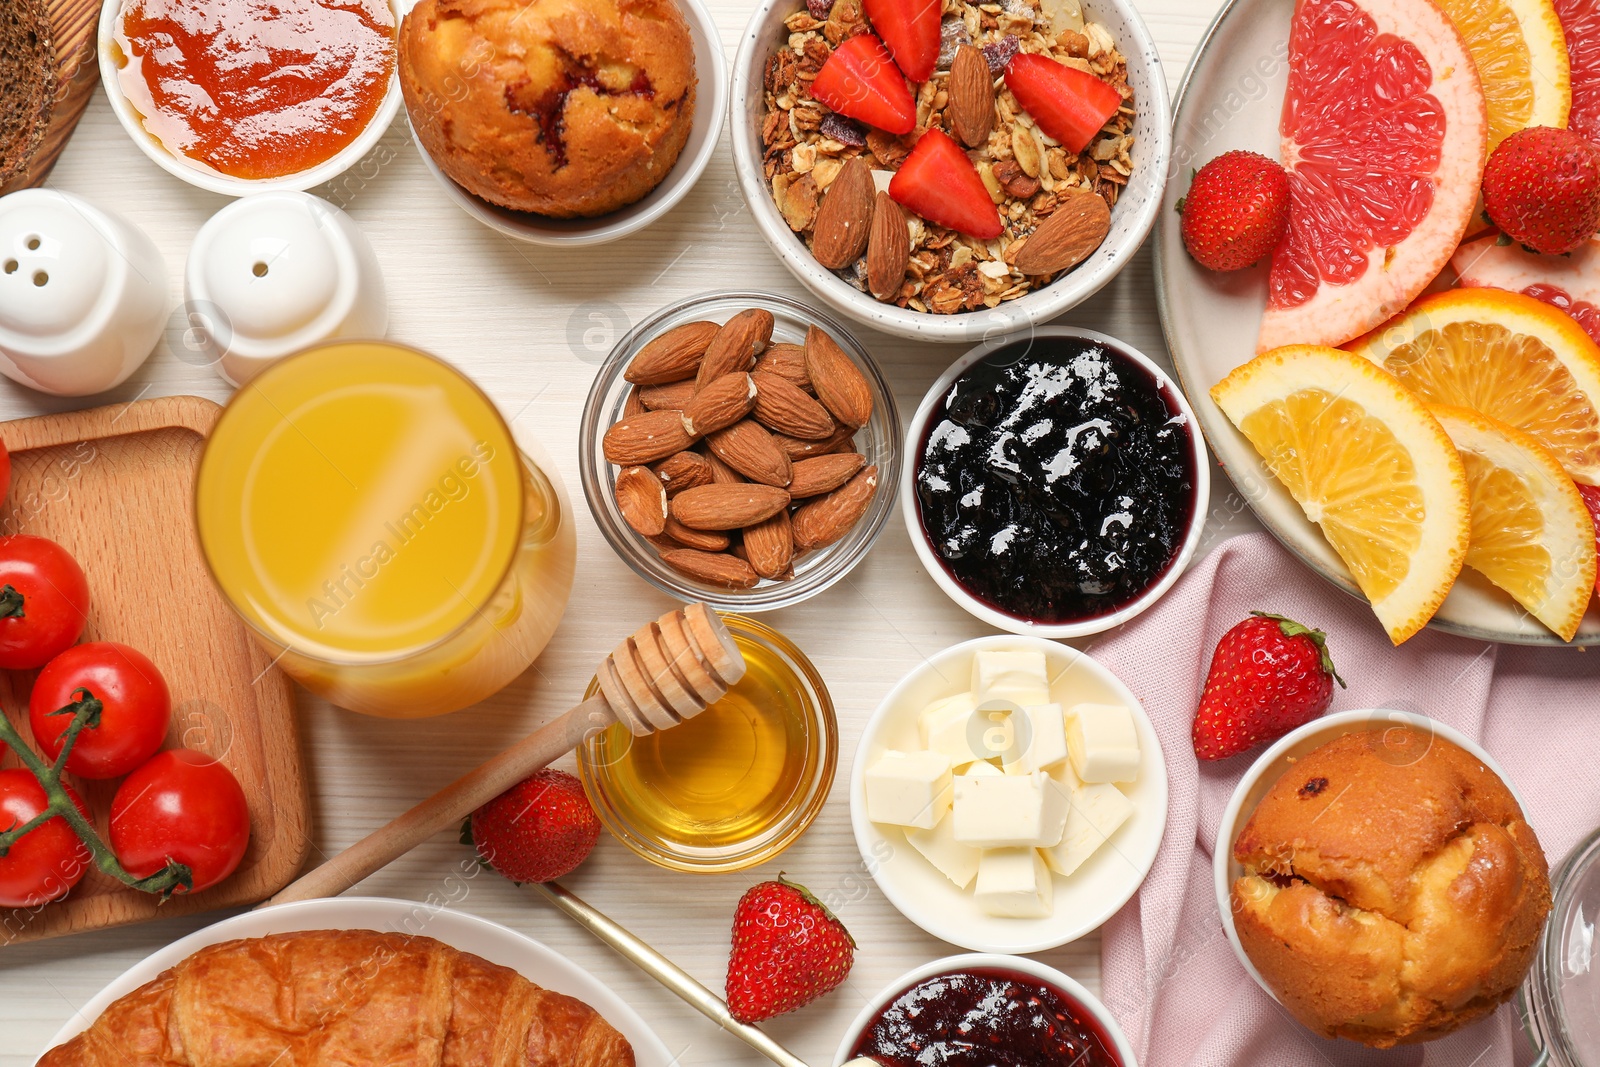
[(1521, 56)]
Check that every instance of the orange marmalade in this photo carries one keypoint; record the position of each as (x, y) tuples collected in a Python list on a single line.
[(256, 88)]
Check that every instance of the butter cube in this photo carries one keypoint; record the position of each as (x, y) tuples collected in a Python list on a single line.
[(940, 712), (909, 789), (981, 769), (1103, 742), (1009, 811), (951, 726), (1019, 676), (951, 858), (1013, 883), (1041, 740), (1097, 811)]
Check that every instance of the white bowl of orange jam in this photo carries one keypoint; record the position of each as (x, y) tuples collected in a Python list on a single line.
[(245, 96)]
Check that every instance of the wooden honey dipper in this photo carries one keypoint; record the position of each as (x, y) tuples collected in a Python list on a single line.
[(667, 672)]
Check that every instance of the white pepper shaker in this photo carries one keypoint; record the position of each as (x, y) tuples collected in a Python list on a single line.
[(276, 272), (83, 294)]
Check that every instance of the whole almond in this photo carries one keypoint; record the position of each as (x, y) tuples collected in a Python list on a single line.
[(769, 545), (704, 540), (839, 383), (727, 507), (787, 362), (824, 474), (673, 356), (721, 473), (642, 499), (840, 234), (749, 449), (1076, 228), (713, 568), (634, 405), (971, 107), (674, 396), (735, 346), (826, 519), (721, 403), (645, 438), (786, 408), (888, 249), (797, 448), (683, 470)]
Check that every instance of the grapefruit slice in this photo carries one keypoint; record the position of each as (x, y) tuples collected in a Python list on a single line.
[(1521, 56), (1581, 21), (1570, 282), (1383, 135)]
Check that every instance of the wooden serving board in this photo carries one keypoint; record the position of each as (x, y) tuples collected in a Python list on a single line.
[(73, 30), (115, 487)]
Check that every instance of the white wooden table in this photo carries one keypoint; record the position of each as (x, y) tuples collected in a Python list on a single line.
[(530, 325)]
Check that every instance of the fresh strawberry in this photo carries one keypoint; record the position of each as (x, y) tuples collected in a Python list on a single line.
[(1069, 104), (911, 30), (1268, 675), (1591, 500), (1236, 211), (539, 829), (939, 182), (788, 950), (860, 81), (1542, 188)]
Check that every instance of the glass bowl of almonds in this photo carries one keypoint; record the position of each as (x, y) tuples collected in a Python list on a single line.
[(741, 449)]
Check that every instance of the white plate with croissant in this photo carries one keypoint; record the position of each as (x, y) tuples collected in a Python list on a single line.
[(356, 980)]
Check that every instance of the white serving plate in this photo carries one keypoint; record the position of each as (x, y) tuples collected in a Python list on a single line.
[(1231, 98), (498, 944), (1094, 892)]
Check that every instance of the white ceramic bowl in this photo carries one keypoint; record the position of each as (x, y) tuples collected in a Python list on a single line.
[(1131, 219), (1093, 893), (468, 933), (987, 962), (1270, 766), (710, 106), (911, 453), (203, 177)]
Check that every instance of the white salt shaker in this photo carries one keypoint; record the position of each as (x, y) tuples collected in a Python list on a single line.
[(273, 273), (83, 294)]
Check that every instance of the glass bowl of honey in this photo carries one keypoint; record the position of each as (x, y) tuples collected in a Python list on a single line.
[(735, 785)]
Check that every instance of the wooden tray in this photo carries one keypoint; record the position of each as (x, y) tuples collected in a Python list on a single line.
[(115, 487), (73, 26)]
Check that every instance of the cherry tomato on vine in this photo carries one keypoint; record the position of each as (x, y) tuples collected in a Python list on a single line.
[(184, 805), (44, 601), (48, 860), (135, 706)]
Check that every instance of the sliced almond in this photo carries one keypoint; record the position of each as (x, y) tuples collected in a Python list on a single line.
[(1075, 229), (727, 507), (683, 470), (645, 438), (704, 540), (735, 346), (713, 568), (797, 448), (971, 107), (721, 403), (840, 234), (769, 545), (888, 249), (673, 396), (828, 518), (787, 362), (839, 383), (782, 406), (642, 499), (824, 474), (673, 356), (749, 449)]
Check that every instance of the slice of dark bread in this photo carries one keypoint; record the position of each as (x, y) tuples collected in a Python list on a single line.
[(27, 82)]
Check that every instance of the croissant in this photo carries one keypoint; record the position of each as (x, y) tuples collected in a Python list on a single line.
[(343, 998)]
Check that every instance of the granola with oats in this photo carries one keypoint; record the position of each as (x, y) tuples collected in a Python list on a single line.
[(1026, 172)]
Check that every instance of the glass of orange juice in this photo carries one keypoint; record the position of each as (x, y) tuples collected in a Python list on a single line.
[(367, 511)]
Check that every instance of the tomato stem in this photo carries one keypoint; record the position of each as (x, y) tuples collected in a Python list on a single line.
[(11, 603), (59, 802)]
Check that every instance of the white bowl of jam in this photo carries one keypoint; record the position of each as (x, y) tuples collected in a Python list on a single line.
[(982, 1009), (1054, 482), (246, 96)]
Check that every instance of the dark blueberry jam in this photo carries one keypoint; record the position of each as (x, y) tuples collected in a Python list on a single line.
[(1057, 480), (986, 1018)]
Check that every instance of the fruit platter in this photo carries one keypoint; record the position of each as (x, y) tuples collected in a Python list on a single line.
[(840, 533)]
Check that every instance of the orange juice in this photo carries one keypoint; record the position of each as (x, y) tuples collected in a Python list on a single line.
[(368, 512)]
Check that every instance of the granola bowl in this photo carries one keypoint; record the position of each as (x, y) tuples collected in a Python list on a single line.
[(955, 288)]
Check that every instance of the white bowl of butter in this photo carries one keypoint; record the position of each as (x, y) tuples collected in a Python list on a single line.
[(1009, 795)]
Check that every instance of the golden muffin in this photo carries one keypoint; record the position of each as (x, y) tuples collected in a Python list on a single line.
[(566, 108), (1392, 891)]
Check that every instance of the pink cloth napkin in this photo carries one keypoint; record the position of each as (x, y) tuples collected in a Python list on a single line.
[(1168, 972)]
